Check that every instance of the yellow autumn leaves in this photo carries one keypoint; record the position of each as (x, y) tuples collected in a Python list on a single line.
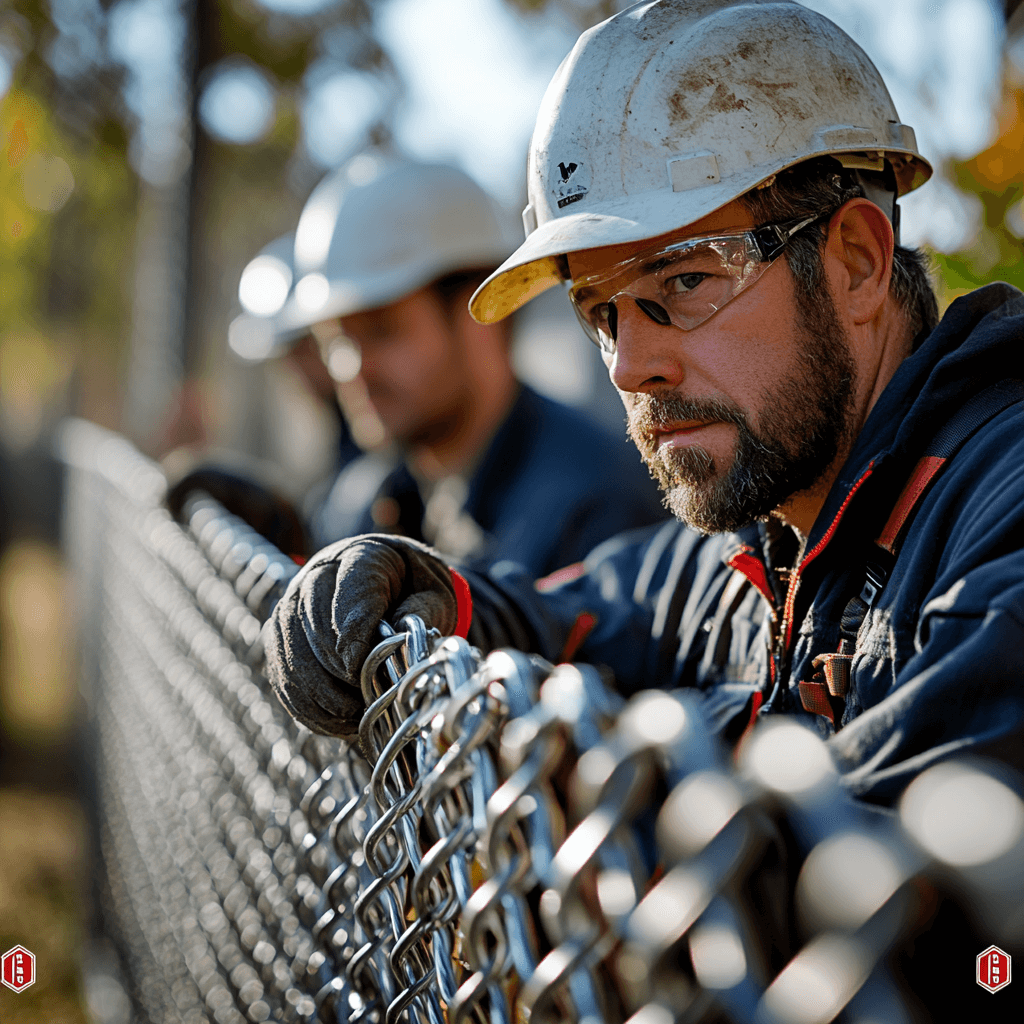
[(33, 179)]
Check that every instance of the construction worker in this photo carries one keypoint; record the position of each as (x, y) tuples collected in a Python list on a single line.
[(716, 184), (387, 254)]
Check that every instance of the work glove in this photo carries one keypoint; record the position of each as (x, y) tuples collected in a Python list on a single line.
[(323, 628), (270, 514)]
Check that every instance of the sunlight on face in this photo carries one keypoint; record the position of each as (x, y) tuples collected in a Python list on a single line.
[(748, 408)]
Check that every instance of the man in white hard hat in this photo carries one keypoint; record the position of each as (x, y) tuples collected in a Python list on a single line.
[(716, 184), (387, 253)]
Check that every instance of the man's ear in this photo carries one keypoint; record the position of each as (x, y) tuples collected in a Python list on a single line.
[(859, 250)]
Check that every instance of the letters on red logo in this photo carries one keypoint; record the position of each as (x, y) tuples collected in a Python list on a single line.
[(993, 969), (18, 968)]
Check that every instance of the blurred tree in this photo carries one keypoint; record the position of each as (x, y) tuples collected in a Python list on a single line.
[(229, 181), (66, 190), (583, 13), (66, 207), (995, 179), (241, 196), (236, 193), (126, 220)]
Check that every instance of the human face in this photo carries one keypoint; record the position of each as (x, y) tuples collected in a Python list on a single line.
[(746, 410), (412, 367), (683, 284)]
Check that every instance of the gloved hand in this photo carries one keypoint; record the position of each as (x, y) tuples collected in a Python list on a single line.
[(326, 624), (270, 514)]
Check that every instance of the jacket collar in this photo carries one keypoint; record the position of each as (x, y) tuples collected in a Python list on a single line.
[(969, 349), (977, 339)]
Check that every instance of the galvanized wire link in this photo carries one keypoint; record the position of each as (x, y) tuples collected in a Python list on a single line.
[(508, 840), (429, 715)]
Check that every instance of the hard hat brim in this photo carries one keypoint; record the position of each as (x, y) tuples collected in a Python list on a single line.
[(538, 264), (372, 290)]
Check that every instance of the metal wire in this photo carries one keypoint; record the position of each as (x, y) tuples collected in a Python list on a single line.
[(518, 841)]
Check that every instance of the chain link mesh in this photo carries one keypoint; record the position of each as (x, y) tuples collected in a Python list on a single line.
[(518, 841)]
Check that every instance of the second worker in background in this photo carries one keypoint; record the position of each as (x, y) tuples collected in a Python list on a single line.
[(387, 254)]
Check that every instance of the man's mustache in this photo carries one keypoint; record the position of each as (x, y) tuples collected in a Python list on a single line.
[(661, 411)]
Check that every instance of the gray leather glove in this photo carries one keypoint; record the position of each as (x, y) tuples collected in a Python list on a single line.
[(326, 624)]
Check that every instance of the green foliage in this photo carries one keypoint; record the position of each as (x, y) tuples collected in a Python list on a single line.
[(69, 196), (66, 221), (995, 177)]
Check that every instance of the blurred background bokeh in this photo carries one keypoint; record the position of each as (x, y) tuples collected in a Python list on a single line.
[(152, 147)]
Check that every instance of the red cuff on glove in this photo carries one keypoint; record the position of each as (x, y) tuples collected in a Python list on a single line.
[(464, 603)]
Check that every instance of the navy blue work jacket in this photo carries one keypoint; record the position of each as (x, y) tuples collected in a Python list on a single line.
[(938, 666), (551, 486)]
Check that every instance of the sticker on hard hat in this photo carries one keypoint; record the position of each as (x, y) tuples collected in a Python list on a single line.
[(571, 182)]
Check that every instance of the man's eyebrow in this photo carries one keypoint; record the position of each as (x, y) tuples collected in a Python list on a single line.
[(656, 263), (651, 266)]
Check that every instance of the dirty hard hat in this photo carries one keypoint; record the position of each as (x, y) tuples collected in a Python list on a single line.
[(672, 109), (381, 227)]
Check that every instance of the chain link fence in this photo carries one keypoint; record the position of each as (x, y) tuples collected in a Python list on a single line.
[(518, 842)]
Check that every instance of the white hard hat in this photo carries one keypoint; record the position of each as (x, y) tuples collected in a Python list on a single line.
[(263, 291), (381, 227), (672, 109), (267, 278)]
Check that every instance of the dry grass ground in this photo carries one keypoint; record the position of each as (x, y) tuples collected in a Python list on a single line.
[(42, 849), (43, 834)]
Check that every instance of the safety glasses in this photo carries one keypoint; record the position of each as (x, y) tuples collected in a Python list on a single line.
[(681, 284)]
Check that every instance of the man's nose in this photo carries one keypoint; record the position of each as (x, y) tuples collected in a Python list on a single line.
[(648, 348)]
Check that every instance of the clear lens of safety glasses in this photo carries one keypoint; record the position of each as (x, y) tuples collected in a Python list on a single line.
[(682, 284)]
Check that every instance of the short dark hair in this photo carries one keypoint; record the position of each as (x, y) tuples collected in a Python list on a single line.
[(451, 287), (451, 290), (822, 186)]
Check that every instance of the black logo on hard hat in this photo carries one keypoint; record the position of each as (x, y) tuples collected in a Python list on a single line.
[(571, 184)]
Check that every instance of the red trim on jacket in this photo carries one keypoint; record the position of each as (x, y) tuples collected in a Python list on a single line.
[(464, 604), (745, 561), (925, 469), (581, 629), (756, 700), (794, 581)]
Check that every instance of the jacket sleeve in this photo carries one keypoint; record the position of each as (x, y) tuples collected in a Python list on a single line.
[(962, 693), (610, 610), (961, 689)]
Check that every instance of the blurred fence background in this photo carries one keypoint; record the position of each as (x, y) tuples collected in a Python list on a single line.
[(151, 147)]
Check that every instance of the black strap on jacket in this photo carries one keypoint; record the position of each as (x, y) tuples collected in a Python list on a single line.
[(827, 695)]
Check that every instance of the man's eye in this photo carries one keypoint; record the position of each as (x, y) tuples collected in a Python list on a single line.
[(681, 284), (599, 314)]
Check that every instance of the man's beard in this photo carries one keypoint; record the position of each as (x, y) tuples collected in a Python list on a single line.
[(804, 422)]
